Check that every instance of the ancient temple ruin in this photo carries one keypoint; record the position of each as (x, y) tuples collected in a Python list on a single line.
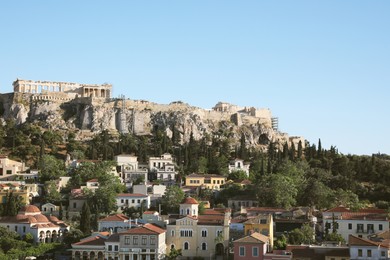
[(63, 90)]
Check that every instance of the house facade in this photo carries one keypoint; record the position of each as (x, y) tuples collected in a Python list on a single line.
[(262, 224), (205, 235), (238, 165), (209, 181), (128, 200), (359, 224), (253, 246), (10, 168), (361, 248), (146, 242)]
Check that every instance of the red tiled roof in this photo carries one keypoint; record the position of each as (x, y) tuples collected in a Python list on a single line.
[(338, 209), (131, 195), (93, 241), (116, 217), (373, 210), (147, 229), (357, 241), (189, 200), (93, 180), (30, 209), (150, 212), (363, 216), (253, 238)]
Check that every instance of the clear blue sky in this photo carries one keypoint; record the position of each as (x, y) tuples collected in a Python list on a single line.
[(322, 67)]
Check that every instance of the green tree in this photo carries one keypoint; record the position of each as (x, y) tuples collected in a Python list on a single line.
[(85, 220), (281, 243), (51, 168), (238, 175), (172, 198), (173, 254)]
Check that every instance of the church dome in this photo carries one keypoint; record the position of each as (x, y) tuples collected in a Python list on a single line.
[(189, 200), (30, 209), (41, 218), (53, 219)]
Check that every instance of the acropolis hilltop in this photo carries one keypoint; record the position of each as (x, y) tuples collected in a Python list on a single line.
[(90, 108)]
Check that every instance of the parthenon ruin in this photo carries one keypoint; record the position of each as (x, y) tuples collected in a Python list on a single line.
[(71, 89)]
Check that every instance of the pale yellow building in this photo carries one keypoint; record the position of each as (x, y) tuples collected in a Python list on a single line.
[(16, 189), (205, 235), (262, 224), (209, 181)]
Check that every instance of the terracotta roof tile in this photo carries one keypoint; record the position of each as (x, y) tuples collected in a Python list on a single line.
[(93, 241), (189, 200), (116, 217), (147, 229), (338, 209), (254, 238), (363, 216)]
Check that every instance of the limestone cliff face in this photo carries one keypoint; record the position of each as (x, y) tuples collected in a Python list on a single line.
[(88, 116)]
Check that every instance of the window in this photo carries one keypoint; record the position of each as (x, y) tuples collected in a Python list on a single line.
[(349, 225), (380, 227), (135, 240), (116, 249), (360, 252), (186, 246), (370, 228), (16, 228), (74, 205), (255, 251), (138, 201), (172, 233), (369, 253), (360, 228), (188, 211), (143, 240), (204, 233), (242, 251), (172, 246), (127, 240), (122, 200), (204, 246), (24, 229), (110, 248), (186, 233), (9, 172), (263, 221), (219, 233), (132, 201), (152, 240), (383, 253)]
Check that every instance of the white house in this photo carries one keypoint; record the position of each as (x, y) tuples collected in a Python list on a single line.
[(128, 200), (50, 209), (115, 223), (238, 165), (361, 248), (141, 243), (360, 224)]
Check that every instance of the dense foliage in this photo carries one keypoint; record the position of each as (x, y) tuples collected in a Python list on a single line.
[(290, 175)]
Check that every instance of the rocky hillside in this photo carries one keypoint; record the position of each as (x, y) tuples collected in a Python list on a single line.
[(87, 116)]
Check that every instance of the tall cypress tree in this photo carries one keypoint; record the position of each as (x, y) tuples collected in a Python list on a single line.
[(319, 150), (300, 149), (85, 220)]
